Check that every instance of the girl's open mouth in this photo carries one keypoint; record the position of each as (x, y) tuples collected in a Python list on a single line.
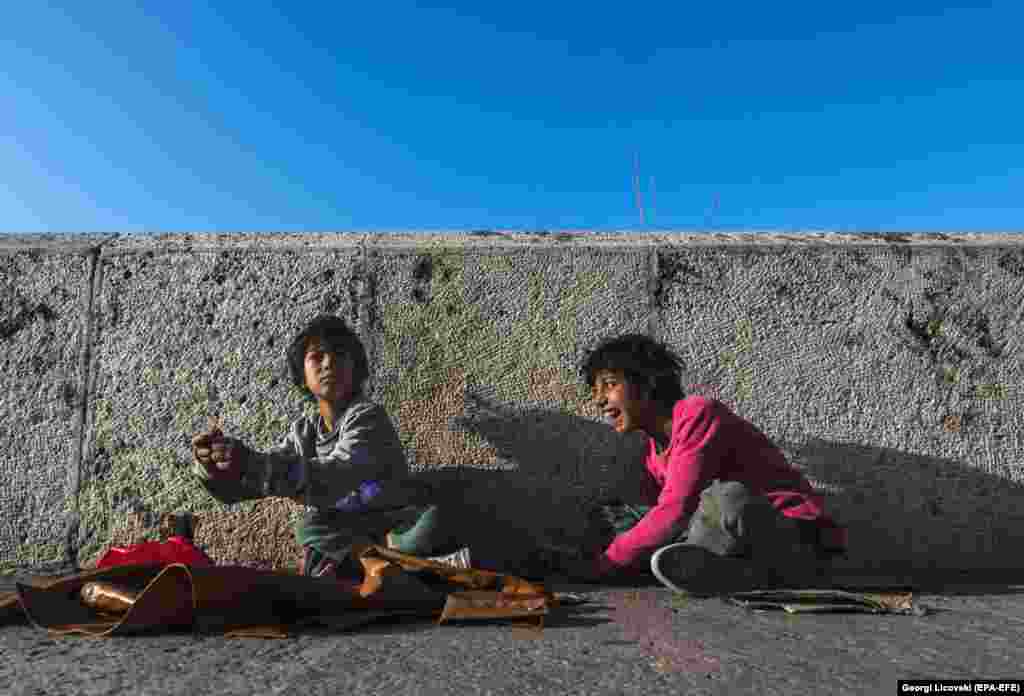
[(612, 416)]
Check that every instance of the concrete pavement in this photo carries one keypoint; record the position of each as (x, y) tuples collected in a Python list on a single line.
[(622, 641)]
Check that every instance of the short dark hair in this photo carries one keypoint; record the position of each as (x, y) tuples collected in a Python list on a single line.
[(335, 335), (645, 363)]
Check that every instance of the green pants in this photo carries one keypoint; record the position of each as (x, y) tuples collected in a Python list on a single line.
[(330, 535), (422, 528)]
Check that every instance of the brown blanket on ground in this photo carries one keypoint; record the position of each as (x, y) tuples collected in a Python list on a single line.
[(244, 601)]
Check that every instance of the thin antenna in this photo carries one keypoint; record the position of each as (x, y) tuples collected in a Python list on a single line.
[(636, 186), (654, 198), (714, 209)]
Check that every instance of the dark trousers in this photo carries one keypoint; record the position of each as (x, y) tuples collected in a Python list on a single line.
[(732, 521)]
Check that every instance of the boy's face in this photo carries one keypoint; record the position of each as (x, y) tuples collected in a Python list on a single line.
[(619, 401), (328, 375)]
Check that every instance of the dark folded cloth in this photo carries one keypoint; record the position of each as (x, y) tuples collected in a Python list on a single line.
[(246, 601)]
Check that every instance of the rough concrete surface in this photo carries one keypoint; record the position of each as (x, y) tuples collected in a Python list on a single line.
[(624, 641), (182, 336), (477, 361), (892, 376), (43, 308), (887, 366)]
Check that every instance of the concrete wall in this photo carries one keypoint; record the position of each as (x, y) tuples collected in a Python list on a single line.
[(889, 367)]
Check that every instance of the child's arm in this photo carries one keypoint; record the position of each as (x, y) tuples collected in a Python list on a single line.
[(367, 448), (218, 462), (694, 462)]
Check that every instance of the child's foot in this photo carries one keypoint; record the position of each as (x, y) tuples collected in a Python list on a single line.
[(687, 568)]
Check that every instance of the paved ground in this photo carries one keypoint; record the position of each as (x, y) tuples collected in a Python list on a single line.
[(632, 641)]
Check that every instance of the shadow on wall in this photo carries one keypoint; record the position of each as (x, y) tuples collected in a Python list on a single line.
[(902, 510), (920, 512), (551, 444), (554, 465)]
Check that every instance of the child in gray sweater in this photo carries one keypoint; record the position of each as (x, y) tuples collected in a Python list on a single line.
[(346, 465)]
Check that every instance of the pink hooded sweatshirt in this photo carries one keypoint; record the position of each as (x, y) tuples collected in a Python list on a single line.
[(711, 442)]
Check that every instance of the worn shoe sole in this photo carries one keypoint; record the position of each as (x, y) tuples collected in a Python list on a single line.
[(460, 559), (686, 568)]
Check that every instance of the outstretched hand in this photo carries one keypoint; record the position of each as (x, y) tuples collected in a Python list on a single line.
[(221, 456)]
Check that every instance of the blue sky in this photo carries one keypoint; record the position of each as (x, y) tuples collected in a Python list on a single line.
[(182, 117)]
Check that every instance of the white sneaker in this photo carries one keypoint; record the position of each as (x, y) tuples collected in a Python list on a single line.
[(683, 567)]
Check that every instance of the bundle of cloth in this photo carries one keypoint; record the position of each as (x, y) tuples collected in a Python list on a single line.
[(239, 601)]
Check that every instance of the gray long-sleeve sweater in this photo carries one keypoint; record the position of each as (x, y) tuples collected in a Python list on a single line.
[(318, 468)]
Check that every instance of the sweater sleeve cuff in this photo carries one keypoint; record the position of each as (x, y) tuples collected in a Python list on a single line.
[(282, 475), (605, 566), (616, 555)]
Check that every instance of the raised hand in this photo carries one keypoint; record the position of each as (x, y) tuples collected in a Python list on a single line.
[(222, 457)]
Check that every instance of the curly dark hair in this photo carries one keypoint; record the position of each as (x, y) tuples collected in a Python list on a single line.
[(646, 363), (335, 335)]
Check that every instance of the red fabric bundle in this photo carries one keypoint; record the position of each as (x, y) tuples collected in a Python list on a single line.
[(177, 549)]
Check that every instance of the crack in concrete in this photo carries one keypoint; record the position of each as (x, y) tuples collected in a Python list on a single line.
[(81, 436)]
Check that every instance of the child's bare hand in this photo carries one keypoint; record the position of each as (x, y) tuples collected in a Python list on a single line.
[(221, 456)]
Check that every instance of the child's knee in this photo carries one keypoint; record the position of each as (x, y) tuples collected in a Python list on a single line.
[(732, 516), (727, 495)]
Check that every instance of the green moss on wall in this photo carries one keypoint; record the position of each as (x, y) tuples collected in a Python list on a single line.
[(193, 411), (32, 554), (735, 360), (103, 425), (450, 331), (950, 374), (152, 376), (233, 359), (129, 484), (456, 346), (265, 376), (262, 425), (997, 392)]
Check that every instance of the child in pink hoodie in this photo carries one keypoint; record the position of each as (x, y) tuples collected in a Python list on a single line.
[(728, 510)]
